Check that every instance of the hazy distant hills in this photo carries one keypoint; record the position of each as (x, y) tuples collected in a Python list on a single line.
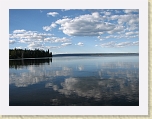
[(97, 54)]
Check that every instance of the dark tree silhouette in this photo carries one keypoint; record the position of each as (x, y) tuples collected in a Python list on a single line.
[(20, 53)]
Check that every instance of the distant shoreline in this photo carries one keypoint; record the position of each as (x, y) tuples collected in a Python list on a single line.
[(96, 54), (83, 54)]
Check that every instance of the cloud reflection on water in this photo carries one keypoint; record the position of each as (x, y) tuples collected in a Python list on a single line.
[(107, 81)]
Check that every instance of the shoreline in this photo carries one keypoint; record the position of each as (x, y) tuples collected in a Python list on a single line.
[(83, 54)]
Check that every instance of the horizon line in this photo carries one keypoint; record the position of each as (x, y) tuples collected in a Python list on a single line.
[(99, 53)]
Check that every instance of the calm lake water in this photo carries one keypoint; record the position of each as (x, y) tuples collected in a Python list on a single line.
[(75, 80)]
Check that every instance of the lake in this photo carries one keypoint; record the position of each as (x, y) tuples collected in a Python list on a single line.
[(75, 81)]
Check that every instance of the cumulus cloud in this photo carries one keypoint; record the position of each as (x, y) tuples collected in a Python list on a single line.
[(109, 44), (35, 39), (34, 45), (116, 29), (56, 39), (80, 44), (128, 21), (25, 41), (11, 41), (52, 47), (18, 47), (64, 39), (91, 25), (84, 25), (48, 28), (19, 31), (53, 14), (66, 44), (131, 10), (63, 21), (95, 24), (136, 43), (117, 11), (28, 36), (122, 44), (120, 35), (124, 18), (107, 13), (131, 33), (100, 38)]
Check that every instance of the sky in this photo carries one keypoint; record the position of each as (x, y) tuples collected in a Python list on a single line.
[(75, 30)]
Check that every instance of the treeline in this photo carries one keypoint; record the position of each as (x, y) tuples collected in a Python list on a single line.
[(20, 53)]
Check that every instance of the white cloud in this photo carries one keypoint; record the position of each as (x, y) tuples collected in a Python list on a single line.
[(56, 39), (46, 28), (122, 44), (66, 44), (80, 44), (18, 47), (34, 45), (52, 14), (36, 40), (100, 38), (25, 41), (131, 10), (96, 15), (114, 17), (53, 25), (19, 31), (28, 36), (65, 10), (131, 20), (64, 39), (95, 24), (63, 21), (136, 43), (124, 18), (12, 41), (107, 13), (52, 47), (85, 25), (49, 28), (109, 44), (131, 33), (117, 11), (116, 29)]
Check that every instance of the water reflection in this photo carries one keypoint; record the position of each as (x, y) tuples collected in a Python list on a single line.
[(91, 87), (25, 62), (95, 80)]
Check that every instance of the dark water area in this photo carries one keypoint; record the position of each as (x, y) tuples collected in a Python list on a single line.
[(75, 81)]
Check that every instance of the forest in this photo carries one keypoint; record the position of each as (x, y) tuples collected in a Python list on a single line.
[(27, 53)]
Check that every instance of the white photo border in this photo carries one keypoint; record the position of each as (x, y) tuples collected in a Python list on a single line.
[(142, 109)]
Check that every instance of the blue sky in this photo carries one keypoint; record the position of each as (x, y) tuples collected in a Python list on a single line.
[(74, 30)]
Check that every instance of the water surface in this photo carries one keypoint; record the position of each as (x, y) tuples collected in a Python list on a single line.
[(75, 80)]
